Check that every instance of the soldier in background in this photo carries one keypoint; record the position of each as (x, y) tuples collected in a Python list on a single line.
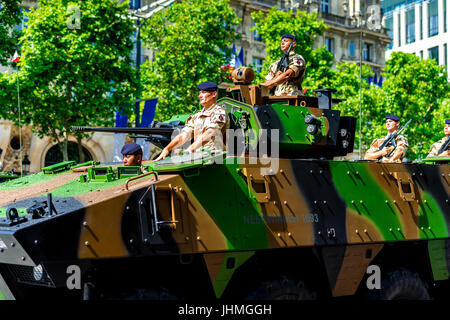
[(388, 154), (289, 81), (439, 146), (132, 154), (207, 127)]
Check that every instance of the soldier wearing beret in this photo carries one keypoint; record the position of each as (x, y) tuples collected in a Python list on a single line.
[(289, 81), (387, 154), (207, 126), (132, 154), (438, 146)]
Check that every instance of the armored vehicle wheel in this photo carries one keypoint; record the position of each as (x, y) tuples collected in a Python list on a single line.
[(282, 289), (401, 285)]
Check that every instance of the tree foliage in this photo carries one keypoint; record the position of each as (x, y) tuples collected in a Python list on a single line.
[(10, 16), (73, 75), (191, 40), (412, 89)]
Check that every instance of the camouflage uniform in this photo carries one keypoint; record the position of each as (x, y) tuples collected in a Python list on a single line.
[(215, 117), (435, 149), (294, 85), (402, 144)]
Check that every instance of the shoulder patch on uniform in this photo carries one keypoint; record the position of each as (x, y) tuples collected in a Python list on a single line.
[(298, 61)]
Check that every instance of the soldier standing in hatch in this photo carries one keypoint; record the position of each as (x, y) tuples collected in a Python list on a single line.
[(208, 126), (436, 147), (287, 82), (132, 154), (386, 154)]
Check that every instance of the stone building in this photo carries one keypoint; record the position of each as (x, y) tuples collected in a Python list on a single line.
[(347, 22), (352, 29), (40, 152)]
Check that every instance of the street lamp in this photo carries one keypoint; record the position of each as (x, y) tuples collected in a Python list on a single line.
[(26, 164), (143, 14)]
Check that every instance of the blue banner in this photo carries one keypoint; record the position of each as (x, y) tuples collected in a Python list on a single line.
[(149, 112)]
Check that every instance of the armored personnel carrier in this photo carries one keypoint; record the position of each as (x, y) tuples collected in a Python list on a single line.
[(274, 217)]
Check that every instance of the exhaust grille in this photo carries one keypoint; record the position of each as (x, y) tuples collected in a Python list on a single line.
[(26, 275)]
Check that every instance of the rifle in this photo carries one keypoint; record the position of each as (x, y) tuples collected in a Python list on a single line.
[(160, 135), (445, 146), (391, 140), (283, 64)]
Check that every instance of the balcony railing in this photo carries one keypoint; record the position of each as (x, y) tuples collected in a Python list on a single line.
[(346, 22), (329, 17), (268, 3)]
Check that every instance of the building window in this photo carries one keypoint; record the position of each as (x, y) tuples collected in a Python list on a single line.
[(325, 6), (445, 57), (256, 36), (134, 4), (410, 26), (367, 52), (421, 22), (433, 18), (389, 26), (445, 16), (329, 44), (421, 54), (24, 22), (433, 53), (351, 49), (258, 63)]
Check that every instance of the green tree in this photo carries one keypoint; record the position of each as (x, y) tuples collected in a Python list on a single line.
[(74, 72), (306, 27), (414, 89), (347, 80), (191, 40), (10, 16)]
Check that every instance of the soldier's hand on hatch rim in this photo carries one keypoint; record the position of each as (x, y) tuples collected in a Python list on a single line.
[(163, 155)]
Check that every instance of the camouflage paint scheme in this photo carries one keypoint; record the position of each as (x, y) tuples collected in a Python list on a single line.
[(227, 215)]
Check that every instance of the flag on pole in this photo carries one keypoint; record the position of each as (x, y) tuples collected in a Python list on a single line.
[(147, 118), (149, 112), (232, 61), (240, 59), (15, 57), (380, 82)]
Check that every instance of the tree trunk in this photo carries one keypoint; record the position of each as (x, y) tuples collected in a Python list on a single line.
[(80, 151), (65, 152)]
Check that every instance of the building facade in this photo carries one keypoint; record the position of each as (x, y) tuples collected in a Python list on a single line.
[(350, 37), (419, 27)]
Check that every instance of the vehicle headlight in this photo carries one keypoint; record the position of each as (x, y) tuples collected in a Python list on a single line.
[(38, 272)]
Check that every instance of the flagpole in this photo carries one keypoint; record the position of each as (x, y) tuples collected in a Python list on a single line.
[(20, 128)]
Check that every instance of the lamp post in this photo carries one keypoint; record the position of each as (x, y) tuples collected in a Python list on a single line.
[(26, 164), (143, 14)]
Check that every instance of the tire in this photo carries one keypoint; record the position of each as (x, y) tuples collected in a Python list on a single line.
[(282, 289), (401, 285)]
